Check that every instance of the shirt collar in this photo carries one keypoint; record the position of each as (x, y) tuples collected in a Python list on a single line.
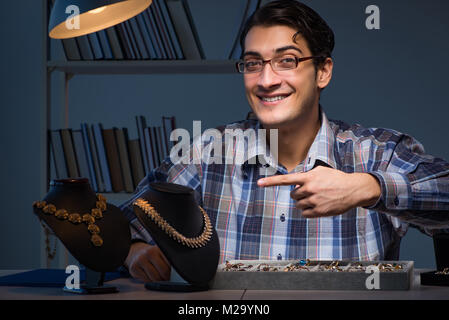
[(322, 148), (321, 151)]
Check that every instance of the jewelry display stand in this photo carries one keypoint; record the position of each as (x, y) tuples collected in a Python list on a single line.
[(440, 277), (93, 284), (95, 232)]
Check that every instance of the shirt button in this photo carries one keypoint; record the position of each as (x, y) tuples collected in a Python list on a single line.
[(279, 256), (282, 217)]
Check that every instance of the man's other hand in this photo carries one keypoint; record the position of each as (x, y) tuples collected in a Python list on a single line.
[(147, 263)]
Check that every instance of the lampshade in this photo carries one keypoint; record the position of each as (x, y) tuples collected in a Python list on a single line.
[(94, 15)]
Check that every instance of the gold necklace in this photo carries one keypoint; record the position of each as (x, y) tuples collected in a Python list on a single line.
[(196, 242), (76, 218)]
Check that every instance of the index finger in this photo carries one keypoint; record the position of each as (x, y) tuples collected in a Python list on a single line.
[(282, 180)]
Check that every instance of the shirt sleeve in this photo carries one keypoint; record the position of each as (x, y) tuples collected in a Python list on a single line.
[(184, 171), (414, 187)]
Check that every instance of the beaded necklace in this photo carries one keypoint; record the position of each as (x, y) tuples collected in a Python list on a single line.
[(77, 218)]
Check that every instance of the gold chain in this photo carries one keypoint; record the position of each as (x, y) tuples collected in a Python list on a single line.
[(76, 218), (196, 242)]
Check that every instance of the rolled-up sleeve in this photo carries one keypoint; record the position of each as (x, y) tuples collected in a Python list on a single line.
[(415, 187)]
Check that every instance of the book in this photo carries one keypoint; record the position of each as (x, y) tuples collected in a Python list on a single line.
[(146, 36), (155, 145), (168, 125), (114, 40), (92, 159), (141, 125), (97, 130), (236, 50), (71, 50), (69, 153), (193, 27), (155, 31), (163, 30), (125, 41), (132, 40), (185, 29), (135, 158), (134, 28), (95, 45), (160, 144), (85, 49), (121, 137), (81, 156), (112, 156), (105, 45), (149, 148), (58, 154), (171, 31)]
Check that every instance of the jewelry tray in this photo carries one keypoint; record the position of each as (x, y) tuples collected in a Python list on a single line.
[(319, 275)]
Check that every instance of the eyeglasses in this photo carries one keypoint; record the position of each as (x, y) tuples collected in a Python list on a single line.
[(287, 62)]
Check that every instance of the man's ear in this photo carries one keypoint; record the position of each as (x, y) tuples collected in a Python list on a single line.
[(324, 73)]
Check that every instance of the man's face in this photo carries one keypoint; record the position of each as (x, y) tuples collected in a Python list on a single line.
[(280, 98)]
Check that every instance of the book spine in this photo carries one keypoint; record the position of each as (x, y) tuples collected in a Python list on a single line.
[(183, 30), (149, 148), (97, 130), (95, 45), (81, 157), (105, 45), (126, 42), (138, 38), (156, 32), (115, 43), (67, 144), (58, 154), (171, 31), (163, 30), (160, 144), (71, 50), (152, 33), (155, 144), (141, 125), (193, 28), (122, 146), (135, 157), (85, 49), (113, 160), (132, 40), (146, 36), (90, 157)]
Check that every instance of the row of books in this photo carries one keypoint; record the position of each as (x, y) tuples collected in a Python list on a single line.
[(107, 156), (164, 31)]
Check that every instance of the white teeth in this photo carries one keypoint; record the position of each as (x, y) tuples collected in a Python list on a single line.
[(272, 99)]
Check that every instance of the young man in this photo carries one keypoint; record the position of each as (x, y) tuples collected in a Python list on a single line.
[(338, 192)]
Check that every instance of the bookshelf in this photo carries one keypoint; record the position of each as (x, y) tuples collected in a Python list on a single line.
[(143, 67), (69, 69)]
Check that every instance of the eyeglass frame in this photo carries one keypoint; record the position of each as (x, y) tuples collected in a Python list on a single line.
[(264, 62)]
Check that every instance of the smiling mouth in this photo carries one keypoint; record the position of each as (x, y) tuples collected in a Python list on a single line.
[(273, 98)]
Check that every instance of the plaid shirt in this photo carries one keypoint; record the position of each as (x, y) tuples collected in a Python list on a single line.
[(263, 223)]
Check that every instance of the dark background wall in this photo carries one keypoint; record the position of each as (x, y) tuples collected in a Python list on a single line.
[(395, 77)]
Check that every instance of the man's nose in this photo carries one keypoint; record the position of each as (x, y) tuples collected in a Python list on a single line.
[(268, 78)]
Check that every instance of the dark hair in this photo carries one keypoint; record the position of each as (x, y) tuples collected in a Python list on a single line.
[(318, 35)]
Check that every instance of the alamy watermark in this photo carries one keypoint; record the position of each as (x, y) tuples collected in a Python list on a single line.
[(72, 282), (372, 22), (372, 282), (73, 20), (208, 147)]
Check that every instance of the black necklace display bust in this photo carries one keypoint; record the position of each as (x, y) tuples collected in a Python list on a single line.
[(99, 239)]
